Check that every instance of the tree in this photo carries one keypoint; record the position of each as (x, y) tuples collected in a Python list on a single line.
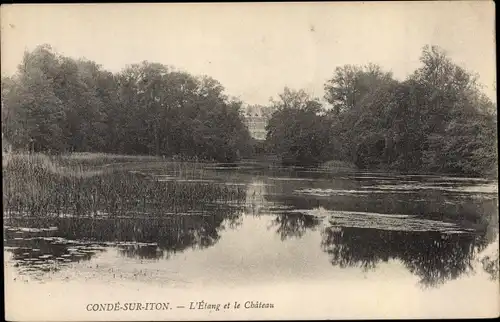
[(350, 84), (435, 120), (34, 111), (296, 132), (56, 103), (459, 119)]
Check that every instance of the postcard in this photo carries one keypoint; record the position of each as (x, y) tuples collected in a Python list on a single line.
[(249, 161)]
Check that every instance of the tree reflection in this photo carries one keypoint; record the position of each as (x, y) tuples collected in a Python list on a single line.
[(144, 237), (155, 237), (433, 256), (147, 252), (489, 259), (40, 250), (294, 224), (491, 266)]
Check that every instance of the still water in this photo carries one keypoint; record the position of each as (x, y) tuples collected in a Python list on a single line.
[(315, 244)]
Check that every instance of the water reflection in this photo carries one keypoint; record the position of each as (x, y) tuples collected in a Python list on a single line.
[(255, 201), (146, 237), (358, 220), (41, 250), (435, 205), (434, 257), (435, 233), (294, 224), (489, 258)]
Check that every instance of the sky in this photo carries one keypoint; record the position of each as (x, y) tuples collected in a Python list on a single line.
[(256, 49)]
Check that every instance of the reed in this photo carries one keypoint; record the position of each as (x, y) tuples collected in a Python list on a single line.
[(100, 159), (38, 186)]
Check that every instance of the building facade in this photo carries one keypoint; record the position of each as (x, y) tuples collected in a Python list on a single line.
[(256, 118)]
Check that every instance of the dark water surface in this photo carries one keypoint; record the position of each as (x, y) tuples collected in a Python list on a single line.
[(361, 240)]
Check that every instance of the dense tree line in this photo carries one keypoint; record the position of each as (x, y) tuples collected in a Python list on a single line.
[(435, 120), (57, 104)]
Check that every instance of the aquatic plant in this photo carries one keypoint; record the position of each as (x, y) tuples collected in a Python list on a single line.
[(38, 185)]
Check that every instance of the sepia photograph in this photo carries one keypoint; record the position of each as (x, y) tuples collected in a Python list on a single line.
[(249, 161)]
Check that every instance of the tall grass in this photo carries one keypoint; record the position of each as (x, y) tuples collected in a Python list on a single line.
[(38, 165), (103, 159), (338, 165), (39, 186)]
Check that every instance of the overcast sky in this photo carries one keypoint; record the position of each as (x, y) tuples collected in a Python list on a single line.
[(253, 49)]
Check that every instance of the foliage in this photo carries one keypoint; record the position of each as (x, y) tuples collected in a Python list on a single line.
[(59, 104), (435, 120), (296, 131)]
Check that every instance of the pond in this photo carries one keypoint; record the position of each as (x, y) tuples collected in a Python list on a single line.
[(311, 243)]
